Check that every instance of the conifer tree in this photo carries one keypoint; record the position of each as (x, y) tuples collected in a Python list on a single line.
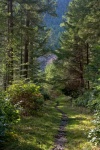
[(23, 37), (80, 25)]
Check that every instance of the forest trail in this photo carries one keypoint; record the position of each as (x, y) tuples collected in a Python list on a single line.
[(60, 138)]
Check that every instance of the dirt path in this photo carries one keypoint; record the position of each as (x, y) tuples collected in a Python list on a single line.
[(60, 138)]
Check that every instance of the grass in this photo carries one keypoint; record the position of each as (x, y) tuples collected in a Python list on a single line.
[(79, 124), (38, 132)]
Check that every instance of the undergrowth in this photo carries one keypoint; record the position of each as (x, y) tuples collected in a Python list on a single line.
[(38, 132), (78, 127), (35, 133)]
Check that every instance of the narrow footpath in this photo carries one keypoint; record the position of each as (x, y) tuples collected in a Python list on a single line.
[(60, 138)]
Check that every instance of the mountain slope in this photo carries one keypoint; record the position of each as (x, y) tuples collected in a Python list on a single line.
[(54, 22)]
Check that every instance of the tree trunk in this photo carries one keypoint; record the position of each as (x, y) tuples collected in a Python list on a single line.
[(82, 74), (21, 47), (31, 55), (82, 70), (8, 77), (87, 52), (26, 48)]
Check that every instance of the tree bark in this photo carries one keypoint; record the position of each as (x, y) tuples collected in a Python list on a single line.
[(87, 51), (26, 51), (8, 77)]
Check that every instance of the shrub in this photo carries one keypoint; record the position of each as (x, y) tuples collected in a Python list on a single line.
[(45, 94), (94, 133), (95, 98), (8, 116), (26, 96), (83, 99)]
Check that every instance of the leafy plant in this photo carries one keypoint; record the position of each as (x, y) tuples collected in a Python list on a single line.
[(95, 97), (94, 133), (8, 116), (83, 99), (26, 96), (45, 94)]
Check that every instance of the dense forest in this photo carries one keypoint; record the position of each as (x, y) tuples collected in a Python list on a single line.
[(50, 75)]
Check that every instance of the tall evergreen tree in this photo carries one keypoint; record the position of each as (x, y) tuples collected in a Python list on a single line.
[(24, 37), (77, 41)]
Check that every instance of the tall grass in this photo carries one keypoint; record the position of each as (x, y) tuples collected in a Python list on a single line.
[(35, 133), (78, 127), (38, 132)]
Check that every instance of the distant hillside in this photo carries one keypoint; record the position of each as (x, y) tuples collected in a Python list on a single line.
[(54, 22), (44, 60)]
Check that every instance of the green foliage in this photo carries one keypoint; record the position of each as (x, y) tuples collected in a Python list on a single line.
[(26, 96), (8, 116), (83, 99), (94, 101), (35, 132), (80, 101), (79, 49), (27, 19), (89, 99), (94, 133), (92, 71), (79, 122), (45, 94)]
